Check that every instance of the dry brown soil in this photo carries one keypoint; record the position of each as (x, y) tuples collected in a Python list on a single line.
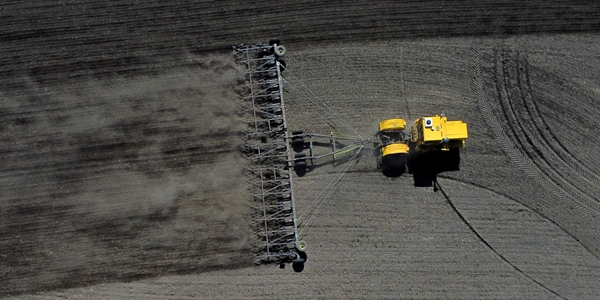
[(121, 178)]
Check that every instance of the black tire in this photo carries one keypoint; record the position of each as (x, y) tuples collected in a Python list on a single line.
[(297, 132), (298, 144), (301, 164), (393, 165), (274, 41), (300, 155), (298, 267), (300, 167)]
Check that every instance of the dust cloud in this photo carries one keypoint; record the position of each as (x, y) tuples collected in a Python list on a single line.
[(119, 179)]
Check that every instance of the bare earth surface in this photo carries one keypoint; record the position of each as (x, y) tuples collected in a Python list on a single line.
[(120, 176)]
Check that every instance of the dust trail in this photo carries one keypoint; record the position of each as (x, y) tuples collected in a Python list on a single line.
[(121, 179)]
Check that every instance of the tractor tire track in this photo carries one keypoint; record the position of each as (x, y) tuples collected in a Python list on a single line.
[(489, 246), (548, 141), (544, 128), (513, 146), (526, 205), (513, 91), (551, 143)]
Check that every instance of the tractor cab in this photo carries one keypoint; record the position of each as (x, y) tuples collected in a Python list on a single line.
[(437, 133)]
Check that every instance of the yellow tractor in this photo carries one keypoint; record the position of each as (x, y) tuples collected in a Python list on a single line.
[(437, 133), (430, 148)]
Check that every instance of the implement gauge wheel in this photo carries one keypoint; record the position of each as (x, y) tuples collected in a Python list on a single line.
[(301, 245), (279, 50)]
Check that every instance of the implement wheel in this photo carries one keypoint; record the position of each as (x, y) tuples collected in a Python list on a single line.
[(298, 267), (300, 167), (301, 245), (274, 41), (280, 50), (298, 144)]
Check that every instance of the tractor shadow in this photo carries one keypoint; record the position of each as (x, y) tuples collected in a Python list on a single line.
[(425, 167)]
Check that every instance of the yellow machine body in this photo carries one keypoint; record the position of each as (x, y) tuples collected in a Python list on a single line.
[(392, 124), (391, 138), (436, 132), (394, 149)]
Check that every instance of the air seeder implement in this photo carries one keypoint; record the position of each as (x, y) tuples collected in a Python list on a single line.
[(275, 155)]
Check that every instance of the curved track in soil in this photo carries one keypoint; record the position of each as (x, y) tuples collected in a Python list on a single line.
[(120, 135), (494, 250), (524, 126)]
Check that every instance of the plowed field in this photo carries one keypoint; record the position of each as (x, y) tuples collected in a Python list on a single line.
[(121, 177)]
